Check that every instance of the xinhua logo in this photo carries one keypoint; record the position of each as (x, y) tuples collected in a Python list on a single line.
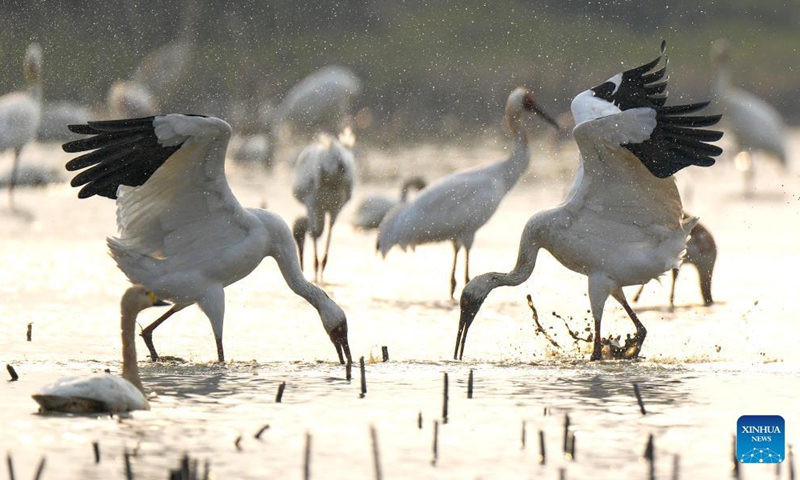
[(760, 439)]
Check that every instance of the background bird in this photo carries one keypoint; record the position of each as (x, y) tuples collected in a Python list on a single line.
[(182, 232), (371, 211), (622, 222), (323, 182), (756, 126), (21, 112), (128, 99), (456, 206), (701, 251), (104, 392)]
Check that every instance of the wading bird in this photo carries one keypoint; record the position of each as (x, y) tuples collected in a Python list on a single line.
[(183, 233), (105, 392), (756, 125), (21, 112), (323, 182), (456, 206), (371, 211), (622, 222), (701, 251)]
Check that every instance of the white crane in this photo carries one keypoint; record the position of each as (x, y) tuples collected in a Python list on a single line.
[(755, 124), (324, 177), (21, 112), (371, 211), (456, 206), (182, 232), (322, 100), (622, 222), (701, 251), (105, 392)]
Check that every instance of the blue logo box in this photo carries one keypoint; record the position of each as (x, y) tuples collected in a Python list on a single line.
[(760, 439)]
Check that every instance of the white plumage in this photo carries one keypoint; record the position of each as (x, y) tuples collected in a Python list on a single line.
[(456, 206), (182, 232), (127, 99), (324, 178), (105, 392), (756, 125), (372, 210), (622, 222), (21, 112)]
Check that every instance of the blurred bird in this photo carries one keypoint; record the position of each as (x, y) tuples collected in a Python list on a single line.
[(756, 125), (104, 392), (320, 101), (371, 210), (21, 112), (130, 100), (55, 118), (456, 206), (701, 251), (183, 233), (622, 222), (324, 177)]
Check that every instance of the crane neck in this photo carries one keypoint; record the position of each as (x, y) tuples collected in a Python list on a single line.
[(519, 160), (722, 80), (529, 245), (130, 367)]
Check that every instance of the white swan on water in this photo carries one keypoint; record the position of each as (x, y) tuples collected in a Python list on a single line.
[(183, 233), (104, 392), (622, 222)]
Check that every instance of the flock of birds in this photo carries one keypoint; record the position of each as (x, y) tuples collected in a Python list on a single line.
[(184, 237)]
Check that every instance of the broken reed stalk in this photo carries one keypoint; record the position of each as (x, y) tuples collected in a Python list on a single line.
[(39, 470), (363, 377), (419, 420), (469, 384), (375, 455), (128, 469), (10, 464), (237, 443), (572, 446), (445, 397), (639, 398), (307, 458), (435, 442), (96, 448), (523, 434), (279, 396), (385, 353), (261, 431), (542, 453), (566, 433), (29, 333), (650, 456), (676, 467), (12, 372)]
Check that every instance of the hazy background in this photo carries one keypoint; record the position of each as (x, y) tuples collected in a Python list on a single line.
[(436, 69)]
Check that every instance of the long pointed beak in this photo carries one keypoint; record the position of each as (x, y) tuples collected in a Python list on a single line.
[(461, 338), (161, 303), (339, 338), (546, 116)]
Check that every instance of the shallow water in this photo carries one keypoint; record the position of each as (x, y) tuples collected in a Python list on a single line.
[(702, 367)]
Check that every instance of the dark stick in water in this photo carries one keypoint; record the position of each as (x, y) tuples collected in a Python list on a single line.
[(639, 398), (96, 447), (676, 467), (650, 456), (238, 443), (12, 372), (419, 420), (363, 377), (572, 446), (445, 398), (523, 434), (307, 458), (542, 453), (375, 454), (385, 353), (469, 384), (261, 431), (279, 396), (566, 433), (128, 469), (29, 333), (10, 464), (39, 470), (735, 460), (435, 442)]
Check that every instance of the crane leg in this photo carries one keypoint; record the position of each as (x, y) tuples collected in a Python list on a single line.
[(638, 293), (599, 288), (641, 332), (147, 332), (13, 180), (466, 266), (456, 248), (316, 262), (672, 289), (331, 221)]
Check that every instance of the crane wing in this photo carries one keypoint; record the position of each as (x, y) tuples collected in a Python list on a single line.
[(168, 176)]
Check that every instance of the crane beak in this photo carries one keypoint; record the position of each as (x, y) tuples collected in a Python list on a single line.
[(546, 116), (160, 303), (467, 316), (339, 338)]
